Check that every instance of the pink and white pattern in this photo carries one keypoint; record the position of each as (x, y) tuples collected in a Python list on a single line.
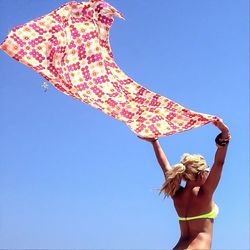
[(70, 48)]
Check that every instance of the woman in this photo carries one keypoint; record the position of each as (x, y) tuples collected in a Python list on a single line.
[(194, 203)]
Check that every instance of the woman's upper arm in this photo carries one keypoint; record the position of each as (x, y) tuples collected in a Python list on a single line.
[(161, 157), (166, 169), (214, 176), (213, 179)]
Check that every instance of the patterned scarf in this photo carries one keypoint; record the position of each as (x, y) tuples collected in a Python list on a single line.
[(70, 48)]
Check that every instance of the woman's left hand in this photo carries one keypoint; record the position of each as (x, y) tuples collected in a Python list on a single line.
[(148, 139)]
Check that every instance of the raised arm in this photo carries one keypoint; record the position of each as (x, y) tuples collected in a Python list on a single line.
[(222, 141), (160, 155)]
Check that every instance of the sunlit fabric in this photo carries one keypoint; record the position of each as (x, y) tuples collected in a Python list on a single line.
[(70, 48)]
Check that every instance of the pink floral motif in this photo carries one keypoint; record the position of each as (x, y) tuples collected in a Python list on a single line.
[(107, 66), (82, 86), (141, 127), (104, 44), (189, 124), (141, 119), (39, 67), (156, 118), (20, 54), (87, 11), (105, 20), (65, 22), (60, 87), (99, 7), (61, 49), (54, 40), (57, 17), (126, 81), (101, 79), (18, 40), (140, 111), (139, 100), (188, 114), (52, 70), (155, 102), (171, 116), (81, 52), (172, 125), (97, 91), (67, 77), (111, 102), (77, 20), (141, 91), (154, 129), (114, 94), (94, 58), (74, 33), (170, 104), (56, 28), (67, 84), (127, 114), (202, 119), (36, 41), (38, 56), (74, 66), (51, 55), (117, 86), (114, 114), (72, 45), (86, 73), (89, 36), (38, 29)]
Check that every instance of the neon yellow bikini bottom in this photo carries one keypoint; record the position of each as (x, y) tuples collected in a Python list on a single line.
[(211, 215)]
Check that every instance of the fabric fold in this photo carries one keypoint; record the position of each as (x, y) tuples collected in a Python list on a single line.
[(70, 48)]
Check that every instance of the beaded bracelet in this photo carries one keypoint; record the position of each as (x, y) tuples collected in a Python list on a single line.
[(222, 142)]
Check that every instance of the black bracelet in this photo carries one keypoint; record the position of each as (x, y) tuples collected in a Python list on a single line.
[(155, 140), (221, 142)]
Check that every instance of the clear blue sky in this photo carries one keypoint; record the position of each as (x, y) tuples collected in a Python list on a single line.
[(72, 177)]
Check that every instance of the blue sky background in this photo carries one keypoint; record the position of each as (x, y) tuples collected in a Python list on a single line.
[(74, 178)]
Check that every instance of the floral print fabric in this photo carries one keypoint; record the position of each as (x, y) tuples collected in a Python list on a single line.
[(70, 48)]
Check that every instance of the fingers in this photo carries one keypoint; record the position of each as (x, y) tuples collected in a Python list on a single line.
[(219, 123)]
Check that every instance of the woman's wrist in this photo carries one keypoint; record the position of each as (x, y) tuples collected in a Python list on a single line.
[(222, 139), (155, 140), (224, 130), (225, 134)]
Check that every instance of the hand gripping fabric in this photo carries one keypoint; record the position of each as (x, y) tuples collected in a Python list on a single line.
[(70, 48)]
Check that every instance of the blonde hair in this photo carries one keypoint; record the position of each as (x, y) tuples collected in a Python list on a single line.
[(186, 170)]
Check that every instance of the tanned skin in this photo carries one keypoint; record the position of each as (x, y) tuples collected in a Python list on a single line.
[(196, 197)]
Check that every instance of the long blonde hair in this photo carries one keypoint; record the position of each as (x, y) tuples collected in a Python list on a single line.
[(186, 170)]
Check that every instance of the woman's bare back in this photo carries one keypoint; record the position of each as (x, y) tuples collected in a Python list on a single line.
[(197, 233)]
